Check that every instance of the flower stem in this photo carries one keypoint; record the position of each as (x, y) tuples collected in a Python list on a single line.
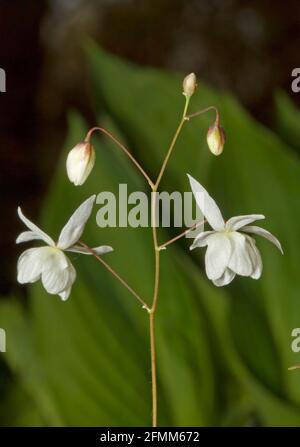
[(180, 235), (200, 112), (121, 146), (154, 306), (170, 150), (156, 246), (154, 187), (153, 369), (119, 278)]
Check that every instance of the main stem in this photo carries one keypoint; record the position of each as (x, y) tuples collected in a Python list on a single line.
[(154, 186), (153, 369), (153, 307), (170, 150), (156, 246)]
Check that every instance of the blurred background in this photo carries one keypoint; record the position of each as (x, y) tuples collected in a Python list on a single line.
[(230, 366)]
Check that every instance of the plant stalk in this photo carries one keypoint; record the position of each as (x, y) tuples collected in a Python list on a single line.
[(122, 147), (154, 187), (156, 246)]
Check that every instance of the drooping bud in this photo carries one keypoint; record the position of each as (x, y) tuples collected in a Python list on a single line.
[(216, 138), (80, 162), (189, 85)]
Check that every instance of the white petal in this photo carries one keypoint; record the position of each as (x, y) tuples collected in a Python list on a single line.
[(58, 272), (102, 250), (264, 233), (201, 239), (27, 236), (225, 279), (65, 294), (255, 258), (30, 264), (234, 223), (240, 261), (73, 229), (35, 229), (207, 205), (217, 255)]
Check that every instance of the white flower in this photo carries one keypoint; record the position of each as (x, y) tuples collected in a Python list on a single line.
[(229, 252), (49, 263), (80, 162)]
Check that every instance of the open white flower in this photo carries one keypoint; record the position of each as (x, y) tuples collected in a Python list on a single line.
[(229, 251), (49, 263)]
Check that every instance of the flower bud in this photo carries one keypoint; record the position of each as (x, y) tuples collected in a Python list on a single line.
[(216, 139), (80, 162), (189, 85)]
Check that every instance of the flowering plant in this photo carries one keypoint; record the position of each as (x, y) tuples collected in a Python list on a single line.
[(229, 251)]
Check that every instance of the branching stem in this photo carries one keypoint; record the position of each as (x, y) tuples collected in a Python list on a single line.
[(180, 235), (157, 263), (116, 275), (157, 248), (207, 109)]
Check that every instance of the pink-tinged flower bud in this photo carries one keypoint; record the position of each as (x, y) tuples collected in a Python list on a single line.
[(189, 85), (80, 162), (216, 139)]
